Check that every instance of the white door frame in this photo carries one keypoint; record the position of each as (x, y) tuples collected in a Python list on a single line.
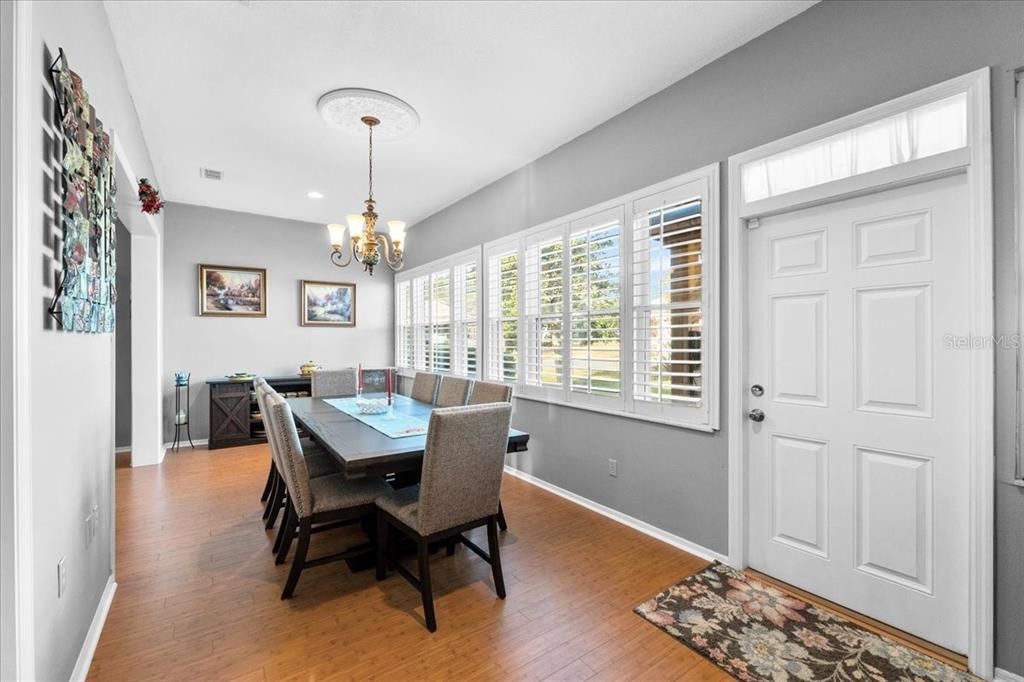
[(976, 161), (17, 619)]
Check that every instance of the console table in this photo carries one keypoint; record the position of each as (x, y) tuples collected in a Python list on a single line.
[(235, 417)]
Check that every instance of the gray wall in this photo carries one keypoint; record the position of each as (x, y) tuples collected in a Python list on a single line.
[(123, 341), (276, 345), (72, 375), (834, 59)]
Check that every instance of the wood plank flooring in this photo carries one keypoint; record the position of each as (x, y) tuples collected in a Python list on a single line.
[(198, 593)]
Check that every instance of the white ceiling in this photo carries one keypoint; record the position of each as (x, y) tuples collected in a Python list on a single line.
[(233, 86)]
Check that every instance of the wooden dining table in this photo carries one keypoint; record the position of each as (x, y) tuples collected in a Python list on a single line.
[(361, 449)]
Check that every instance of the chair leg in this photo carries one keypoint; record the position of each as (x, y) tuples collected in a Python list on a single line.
[(279, 538), (278, 502), (450, 548), (270, 483), (286, 534), (299, 562), (273, 493), (495, 552), (501, 517), (382, 545), (426, 590)]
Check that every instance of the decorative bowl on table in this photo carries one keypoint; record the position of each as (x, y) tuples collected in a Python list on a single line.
[(241, 376), (371, 405)]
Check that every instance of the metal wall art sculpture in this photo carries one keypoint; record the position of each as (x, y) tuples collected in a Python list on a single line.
[(84, 300)]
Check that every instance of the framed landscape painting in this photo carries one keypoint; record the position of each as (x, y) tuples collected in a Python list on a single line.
[(328, 304), (232, 291)]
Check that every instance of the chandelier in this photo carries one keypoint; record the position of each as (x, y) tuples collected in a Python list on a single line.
[(366, 245)]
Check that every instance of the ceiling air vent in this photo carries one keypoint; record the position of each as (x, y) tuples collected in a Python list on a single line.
[(210, 174)]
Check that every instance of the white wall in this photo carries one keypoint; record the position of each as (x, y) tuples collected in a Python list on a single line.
[(71, 374), (275, 345)]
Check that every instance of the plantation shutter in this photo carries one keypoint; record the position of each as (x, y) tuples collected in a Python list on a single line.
[(668, 299), (403, 326), (440, 321), (595, 308), (543, 285), (503, 320), (465, 308), (421, 322)]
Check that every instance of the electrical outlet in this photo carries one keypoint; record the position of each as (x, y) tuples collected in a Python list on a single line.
[(62, 578), (613, 467)]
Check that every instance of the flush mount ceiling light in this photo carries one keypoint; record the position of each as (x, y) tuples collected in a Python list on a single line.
[(353, 109), (314, 195)]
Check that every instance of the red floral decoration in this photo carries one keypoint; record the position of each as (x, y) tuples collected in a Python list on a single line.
[(150, 197)]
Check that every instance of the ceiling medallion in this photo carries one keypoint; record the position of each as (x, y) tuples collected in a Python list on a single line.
[(354, 109)]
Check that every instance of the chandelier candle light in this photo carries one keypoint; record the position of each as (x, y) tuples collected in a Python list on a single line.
[(367, 246)]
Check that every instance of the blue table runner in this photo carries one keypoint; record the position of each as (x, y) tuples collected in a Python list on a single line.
[(405, 418)]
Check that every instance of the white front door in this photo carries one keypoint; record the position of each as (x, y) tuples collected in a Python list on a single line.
[(858, 474)]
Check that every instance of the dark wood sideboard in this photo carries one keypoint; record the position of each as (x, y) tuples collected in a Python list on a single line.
[(235, 417)]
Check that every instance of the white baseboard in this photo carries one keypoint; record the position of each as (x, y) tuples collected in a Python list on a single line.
[(123, 448), (92, 637), (1006, 676), (195, 441), (624, 519)]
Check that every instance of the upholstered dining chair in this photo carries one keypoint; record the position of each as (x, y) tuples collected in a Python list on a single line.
[(333, 383), (488, 392), (452, 392), (424, 387), (459, 490), (318, 462), (316, 504), (485, 392)]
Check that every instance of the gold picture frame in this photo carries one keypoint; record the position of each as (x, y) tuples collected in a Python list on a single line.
[(327, 304), (232, 291)]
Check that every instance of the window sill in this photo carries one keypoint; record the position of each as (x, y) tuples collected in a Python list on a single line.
[(703, 428)]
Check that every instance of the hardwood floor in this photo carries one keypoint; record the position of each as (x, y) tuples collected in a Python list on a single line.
[(198, 593)]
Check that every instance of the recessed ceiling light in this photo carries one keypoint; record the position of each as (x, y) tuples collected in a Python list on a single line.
[(314, 195)]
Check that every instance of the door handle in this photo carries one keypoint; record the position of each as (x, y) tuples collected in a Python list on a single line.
[(756, 415)]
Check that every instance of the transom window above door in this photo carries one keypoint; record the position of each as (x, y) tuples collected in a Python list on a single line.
[(918, 133)]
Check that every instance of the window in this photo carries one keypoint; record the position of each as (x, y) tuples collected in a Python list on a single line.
[(595, 276), (437, 316), (925, 131), (465, 310), (503, 316), (403, 324), (421, 323), (669, 300), (440, 321), (544, 311), (589, 312)]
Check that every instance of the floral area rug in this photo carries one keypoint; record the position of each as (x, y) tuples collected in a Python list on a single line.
[(755, 631)]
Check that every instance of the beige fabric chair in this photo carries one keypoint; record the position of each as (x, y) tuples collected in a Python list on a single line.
[(459, 490), (488, 392), (315, 504), (452, 392), (318, 462), (334, 383), (424, 387)]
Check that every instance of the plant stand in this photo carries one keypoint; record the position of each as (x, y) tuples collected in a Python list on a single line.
[(181, 416)]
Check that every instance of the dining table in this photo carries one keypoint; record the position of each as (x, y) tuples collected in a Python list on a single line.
[(361, 448)]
